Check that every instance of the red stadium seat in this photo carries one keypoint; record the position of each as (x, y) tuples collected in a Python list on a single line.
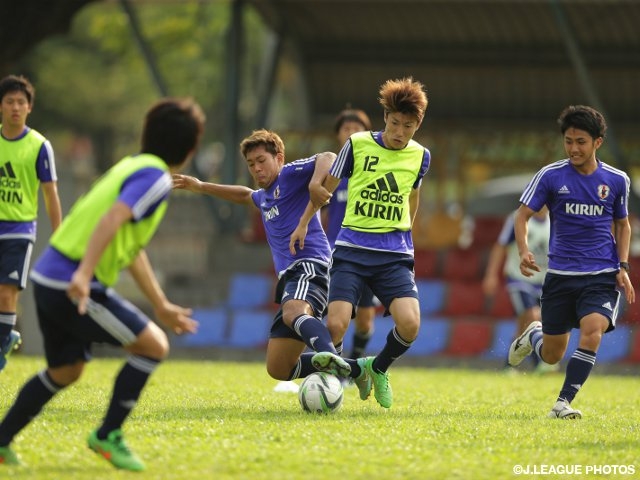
[(464, 299), (469, 338), (486, 231), (427, 263), (634, 356), (463, 264), (500, 305)]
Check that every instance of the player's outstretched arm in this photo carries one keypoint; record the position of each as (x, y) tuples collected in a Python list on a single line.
[(232, 193)]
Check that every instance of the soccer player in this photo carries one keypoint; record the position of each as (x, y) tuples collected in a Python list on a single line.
[(106, 231), (348, 122), (524, 292), (374, 246), (302, 280), (26, 163), (588, 252)]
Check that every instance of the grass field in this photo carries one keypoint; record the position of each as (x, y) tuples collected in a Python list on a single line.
[(208, 420)]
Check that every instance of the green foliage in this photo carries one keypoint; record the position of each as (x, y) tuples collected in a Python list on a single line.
[(200, 419), (95, 79)]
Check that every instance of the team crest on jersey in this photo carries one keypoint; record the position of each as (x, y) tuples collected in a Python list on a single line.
[(276, 192), (603, 191)]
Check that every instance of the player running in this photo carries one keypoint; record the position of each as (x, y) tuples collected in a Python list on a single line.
[(588, 252)]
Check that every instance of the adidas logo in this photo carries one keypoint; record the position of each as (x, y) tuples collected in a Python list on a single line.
[(607, 305), (14, 275), (285, 294), (8, 179), (564, 190), (384, 189), (7, 171)]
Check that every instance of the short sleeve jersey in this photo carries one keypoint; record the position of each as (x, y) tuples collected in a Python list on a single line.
[(144, 191), (281, 206), (582, 209)]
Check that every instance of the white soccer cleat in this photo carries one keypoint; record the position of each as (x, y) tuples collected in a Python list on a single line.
[(563, 411), (521, 346)]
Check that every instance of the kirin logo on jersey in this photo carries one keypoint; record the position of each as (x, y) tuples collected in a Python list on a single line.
[(603, 191)]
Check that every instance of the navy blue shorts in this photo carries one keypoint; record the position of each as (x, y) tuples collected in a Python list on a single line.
[(523, 295), (388, 275), (15, 255), (567, 299), (304, 280), (368, 299), (68, 335)]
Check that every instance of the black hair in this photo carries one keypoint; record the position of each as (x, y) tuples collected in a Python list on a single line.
[(584, 118), (172, 129)]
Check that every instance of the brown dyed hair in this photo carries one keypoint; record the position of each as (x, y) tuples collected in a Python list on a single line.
[(270, 140), (404, 95)]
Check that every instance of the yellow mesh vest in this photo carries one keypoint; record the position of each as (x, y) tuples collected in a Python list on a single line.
[(380, 185), (72, 237), (18, 177)]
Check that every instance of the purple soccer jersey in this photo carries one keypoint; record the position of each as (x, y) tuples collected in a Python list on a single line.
[(582, 209), (281, 206)]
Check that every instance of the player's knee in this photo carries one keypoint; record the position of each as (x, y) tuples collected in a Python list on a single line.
[(66, 375), (408, 328), (552, 356), (152, 343), (278, 373)]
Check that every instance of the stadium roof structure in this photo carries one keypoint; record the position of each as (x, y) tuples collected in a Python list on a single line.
[(496, 60)]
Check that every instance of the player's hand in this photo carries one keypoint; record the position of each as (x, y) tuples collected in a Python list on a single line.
[(624, 282), (298, 236), (528, 264), (186, 182), (78, 291), (319, 195), (176, 318)]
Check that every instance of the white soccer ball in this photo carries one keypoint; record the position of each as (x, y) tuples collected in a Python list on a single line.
[(321, 392)]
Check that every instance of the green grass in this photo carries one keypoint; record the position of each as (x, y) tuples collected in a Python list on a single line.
[(209, 420)]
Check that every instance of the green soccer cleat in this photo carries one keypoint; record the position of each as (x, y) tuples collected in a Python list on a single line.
[(12, 342), (381, 386), (115, 450), (363, 382), (8, 457), (331, 363)]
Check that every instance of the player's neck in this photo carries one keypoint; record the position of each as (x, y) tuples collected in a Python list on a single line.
[(588, 167), (12, 131)]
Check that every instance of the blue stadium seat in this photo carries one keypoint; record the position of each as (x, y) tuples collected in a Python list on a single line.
[(432, 295), (433, 337), (503, 335), (250, 290), (382, 326), (249, 328), (211, 331)]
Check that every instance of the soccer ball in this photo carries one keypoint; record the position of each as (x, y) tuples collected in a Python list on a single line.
[(321, 392)]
